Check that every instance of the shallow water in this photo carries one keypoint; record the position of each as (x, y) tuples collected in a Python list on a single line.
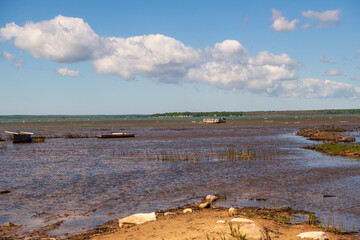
[(87, 181)]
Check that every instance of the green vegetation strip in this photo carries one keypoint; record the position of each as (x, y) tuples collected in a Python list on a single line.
[(337, 148)]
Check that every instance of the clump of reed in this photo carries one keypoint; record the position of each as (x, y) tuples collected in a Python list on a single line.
[(224, 154), (231, 153), (175, 156)]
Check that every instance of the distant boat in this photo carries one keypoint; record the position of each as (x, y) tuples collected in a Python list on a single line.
[(214, 120), (25, 137), (116, 135)]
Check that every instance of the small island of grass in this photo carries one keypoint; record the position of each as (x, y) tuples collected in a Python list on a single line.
[(352, 150)]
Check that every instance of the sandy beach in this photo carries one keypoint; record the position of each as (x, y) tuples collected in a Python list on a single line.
[(202, 224)]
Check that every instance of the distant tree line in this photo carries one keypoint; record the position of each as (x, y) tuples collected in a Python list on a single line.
[(259, 113), (342, 111), (199, 114)]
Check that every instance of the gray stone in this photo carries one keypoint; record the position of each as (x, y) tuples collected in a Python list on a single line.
[(232, 211), (241, 220), (252, 232), (210, 198), (8, 224), (313, 235), (169, 213), (186, 210), (138, 218), (204, 205)]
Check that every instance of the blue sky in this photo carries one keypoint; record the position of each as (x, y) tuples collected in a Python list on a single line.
[(141, 57)]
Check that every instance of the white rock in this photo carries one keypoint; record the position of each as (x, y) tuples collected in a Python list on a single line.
[(210, 198), (313, 235), (8, 224), (204, 205), (186, 210), (169, 213), (138, 218), (221, 221), (241, 220), (232, 211), (252, 232)]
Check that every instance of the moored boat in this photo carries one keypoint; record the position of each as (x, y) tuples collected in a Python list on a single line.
[(116, 135)]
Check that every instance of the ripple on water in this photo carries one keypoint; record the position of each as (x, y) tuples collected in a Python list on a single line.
[(69, 177)]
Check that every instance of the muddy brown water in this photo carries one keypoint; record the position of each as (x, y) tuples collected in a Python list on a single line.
[(88, 181)]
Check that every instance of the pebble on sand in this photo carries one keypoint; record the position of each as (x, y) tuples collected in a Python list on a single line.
[(221, 221), (241, 220), (210, 198), (138, 218), (204, 205), (187, 210), (232, 211), (169, 213), (313, 235), (253, 232), (8, 224)]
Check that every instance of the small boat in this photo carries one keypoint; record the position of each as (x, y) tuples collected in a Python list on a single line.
[(116, 135), (25, 137), (214, 120)]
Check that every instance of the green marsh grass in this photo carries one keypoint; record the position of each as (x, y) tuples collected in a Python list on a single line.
[(337, 148)]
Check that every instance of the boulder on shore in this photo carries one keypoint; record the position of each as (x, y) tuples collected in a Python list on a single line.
[(204, 205), (253, 232), (138, 218), (241, 220), (313, 235), (187, 210), (232, 211), (8, 224), (210, 198)]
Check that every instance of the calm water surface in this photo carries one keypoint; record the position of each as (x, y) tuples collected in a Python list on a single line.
[(87, 181)]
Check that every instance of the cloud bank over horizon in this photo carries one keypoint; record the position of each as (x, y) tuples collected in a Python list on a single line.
[(226, 65)]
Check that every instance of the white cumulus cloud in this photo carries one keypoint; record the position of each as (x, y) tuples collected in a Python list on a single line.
[(62, 39), (333, 72), (281, 24), (317, 88), (226, 65), (67, 72), (16, 62), (230, 67), (325, 16), (157, 57), (228, 51)]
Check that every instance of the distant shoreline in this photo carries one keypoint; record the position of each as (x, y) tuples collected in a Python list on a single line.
[(183, 115)]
